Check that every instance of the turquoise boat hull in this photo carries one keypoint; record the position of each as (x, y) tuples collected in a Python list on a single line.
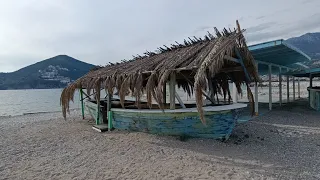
[(220, 121)]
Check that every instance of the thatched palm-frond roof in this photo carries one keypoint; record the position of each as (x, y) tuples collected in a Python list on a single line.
[(196, 62)]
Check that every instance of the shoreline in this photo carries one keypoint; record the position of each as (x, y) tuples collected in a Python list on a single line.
[(35, 113)]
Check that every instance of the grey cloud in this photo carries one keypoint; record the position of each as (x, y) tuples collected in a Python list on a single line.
[(101, 31), (307, 1), (18, 61), (241, 18), (286, 30), (202, 28), (260, 17), (260, 27), (259, 37)]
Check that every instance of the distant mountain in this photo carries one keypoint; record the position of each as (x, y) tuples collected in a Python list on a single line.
[(309, 43), (55, 72)]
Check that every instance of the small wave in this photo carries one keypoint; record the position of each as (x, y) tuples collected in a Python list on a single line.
[(37, 112), (43, 112), (5, 116), (30, 113)]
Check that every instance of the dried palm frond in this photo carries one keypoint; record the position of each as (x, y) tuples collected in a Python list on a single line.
[(138, 89), (161, 83), (150, 88), (124, 89)]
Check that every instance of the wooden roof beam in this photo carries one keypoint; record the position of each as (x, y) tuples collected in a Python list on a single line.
[(229, 58)]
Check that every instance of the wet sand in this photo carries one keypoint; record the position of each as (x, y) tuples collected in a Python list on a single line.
[(282, 144)]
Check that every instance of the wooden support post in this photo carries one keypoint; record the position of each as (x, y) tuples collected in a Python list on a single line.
[(310, 86), (288, 88), (109, 113), (243, 66), (280, 86), (164, 93), (256, 99), (180, 101), (98, 113), (234, 93), (270, 88), (82, 106), (211, 95), (98, 90), (294, 88), (98, 108), (172, 89), (299, 88)]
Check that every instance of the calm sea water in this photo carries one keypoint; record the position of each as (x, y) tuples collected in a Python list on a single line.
[(19, 102)]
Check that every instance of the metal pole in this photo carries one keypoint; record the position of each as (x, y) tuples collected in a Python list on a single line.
[(280, 86), (98, 122), (299, 88), (256, 100), (288, 90), (270, 88), (98, 112), (82, 106), (310, 86), (294, 88), (109, 113)]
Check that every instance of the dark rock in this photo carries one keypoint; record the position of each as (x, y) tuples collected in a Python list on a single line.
[(178, 178), (234, 136), (183, 138), (239, 141), (246, 136), (223, 139)]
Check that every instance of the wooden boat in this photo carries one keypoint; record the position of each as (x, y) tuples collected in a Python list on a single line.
[(220, 120)]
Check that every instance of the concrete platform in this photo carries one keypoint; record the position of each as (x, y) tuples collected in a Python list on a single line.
[(100, 128)]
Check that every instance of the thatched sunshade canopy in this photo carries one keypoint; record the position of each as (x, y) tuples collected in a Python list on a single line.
[(200, 64)]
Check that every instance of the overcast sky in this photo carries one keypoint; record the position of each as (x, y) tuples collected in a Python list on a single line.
[(101, 31)]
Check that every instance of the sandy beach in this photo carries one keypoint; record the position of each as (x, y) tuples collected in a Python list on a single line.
[(283, 144)]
